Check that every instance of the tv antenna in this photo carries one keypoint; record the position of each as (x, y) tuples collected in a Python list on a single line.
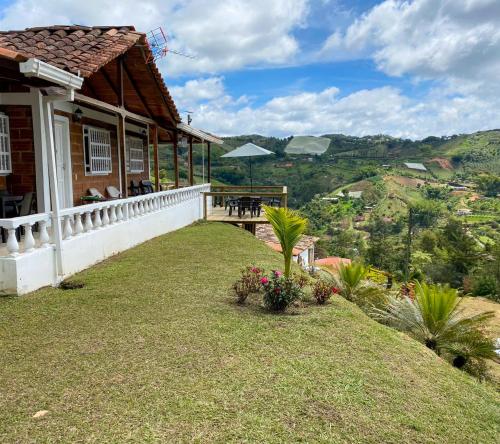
[(189, 118), (158, 45)]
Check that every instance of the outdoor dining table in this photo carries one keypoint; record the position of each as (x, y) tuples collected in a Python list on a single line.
[(5, 199)]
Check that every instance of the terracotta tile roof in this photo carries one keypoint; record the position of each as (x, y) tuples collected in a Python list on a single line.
[(72, 48), (265, 233), (333, 262), (79, 49)]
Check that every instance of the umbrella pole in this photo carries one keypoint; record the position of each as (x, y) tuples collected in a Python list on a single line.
[(251, 178)]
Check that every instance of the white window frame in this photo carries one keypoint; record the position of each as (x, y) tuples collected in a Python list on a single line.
[(5, 152), (99, 160), (135, 155)]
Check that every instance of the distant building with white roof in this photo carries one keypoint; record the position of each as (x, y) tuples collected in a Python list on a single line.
[(415, 166)]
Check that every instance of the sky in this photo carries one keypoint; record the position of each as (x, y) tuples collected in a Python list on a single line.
[(407, 68)]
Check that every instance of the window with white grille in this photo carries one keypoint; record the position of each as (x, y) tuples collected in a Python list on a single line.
[(97, 148), (135, 154), (5, 158)]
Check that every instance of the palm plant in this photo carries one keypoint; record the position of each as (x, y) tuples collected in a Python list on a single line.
[(350, 279), (435, 318), (288, 226)]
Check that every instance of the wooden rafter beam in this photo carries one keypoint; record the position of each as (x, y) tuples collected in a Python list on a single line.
[(137, 91), (88, 85), (110, 83)]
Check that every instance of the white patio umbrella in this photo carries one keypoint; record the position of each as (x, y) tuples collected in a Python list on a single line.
[(248, 150)]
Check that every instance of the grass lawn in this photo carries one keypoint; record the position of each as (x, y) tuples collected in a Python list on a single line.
[(153, 349)]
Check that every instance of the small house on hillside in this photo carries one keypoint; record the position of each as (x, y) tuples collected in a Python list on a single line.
[(463, 212), (333, 262), (303, 253), (415, 166), (350, 194)]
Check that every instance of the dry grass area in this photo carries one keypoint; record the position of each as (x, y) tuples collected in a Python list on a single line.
[(480, 305), (154, 349), (405, 181)]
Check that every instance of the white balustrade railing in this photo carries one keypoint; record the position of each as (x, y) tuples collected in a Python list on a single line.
[(24, 234), (34, 230)]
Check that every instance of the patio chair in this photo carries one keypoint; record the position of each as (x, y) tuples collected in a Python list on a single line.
[(94, 192), (135, 189), (233, 204), (256, 207), (245, 203), (25, 208), (113, 192), (147, 187), (27, 205)]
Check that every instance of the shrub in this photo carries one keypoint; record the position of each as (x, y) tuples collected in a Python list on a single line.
[(350, 279), (248, 283), (280, 291), (484, 286), (301, 279), (323, 290), (370, 297), (435, 319)]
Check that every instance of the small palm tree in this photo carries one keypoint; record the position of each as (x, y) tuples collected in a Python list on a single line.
[(435, 318), (350, 279), (288, 226)]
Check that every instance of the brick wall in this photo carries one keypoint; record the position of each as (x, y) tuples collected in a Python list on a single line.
[(81, 182), (23, 177)]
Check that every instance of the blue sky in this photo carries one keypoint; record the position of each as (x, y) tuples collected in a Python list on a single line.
[(279, 67)]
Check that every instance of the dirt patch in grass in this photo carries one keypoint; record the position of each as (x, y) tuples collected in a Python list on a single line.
[(405, 181), (442, 162)]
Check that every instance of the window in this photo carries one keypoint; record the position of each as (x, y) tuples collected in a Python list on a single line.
[(135, 154), (5, 158), (97, 150)]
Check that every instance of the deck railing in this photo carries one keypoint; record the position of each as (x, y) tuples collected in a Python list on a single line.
[(24, 234), (222, 192)]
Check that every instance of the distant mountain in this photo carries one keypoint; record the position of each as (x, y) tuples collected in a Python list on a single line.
[(349, 159)]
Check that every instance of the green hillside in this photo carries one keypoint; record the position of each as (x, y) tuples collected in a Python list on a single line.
[(156, 350), (349, 159)]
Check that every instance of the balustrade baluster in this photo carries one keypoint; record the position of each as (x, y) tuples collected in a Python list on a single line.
[(112, 214), (105, 217), (12, 244), (29, 240), (87, 222), (78, 223), (97, 218), (119, 213), (67, 230), (44, 234)]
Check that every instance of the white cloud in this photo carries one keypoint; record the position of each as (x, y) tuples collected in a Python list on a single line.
[(223, 35), (380, 110), (427, 38)]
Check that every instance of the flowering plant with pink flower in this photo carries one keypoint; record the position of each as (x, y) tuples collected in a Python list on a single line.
[(323, 290), (279, 291), (249, 282)]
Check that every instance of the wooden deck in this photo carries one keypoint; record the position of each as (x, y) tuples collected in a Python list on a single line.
[(218, 214)]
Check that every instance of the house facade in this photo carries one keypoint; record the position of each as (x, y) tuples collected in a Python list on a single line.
[(80, 108)]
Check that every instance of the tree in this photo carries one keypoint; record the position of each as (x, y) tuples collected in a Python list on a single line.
[(489, 184), (288, 226)]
